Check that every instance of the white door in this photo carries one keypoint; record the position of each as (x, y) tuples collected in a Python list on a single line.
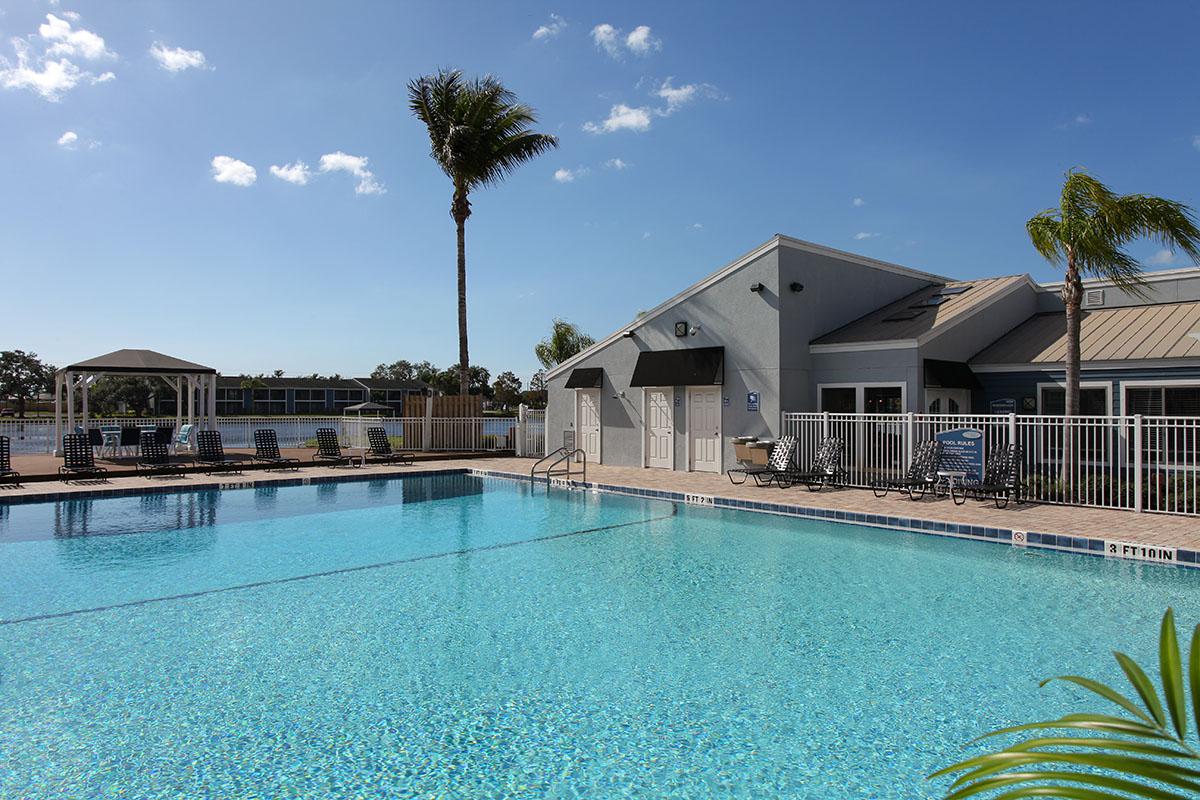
[(660, 428), (948, 401), (587, 423), (704, 429)]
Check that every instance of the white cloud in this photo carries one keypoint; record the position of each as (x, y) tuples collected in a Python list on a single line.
[(607, 38), (68, 41), (1196, 141), (1077, 121), (551, 29), (696, 226), (1162, 258), (858, 202), (622, 117), (616, 163), (176, 59), (646, 235), (641, 42), (297, 172), (356, 166), (229, 170), (50, 73), (865, 235), (564, 175), (68, 140)]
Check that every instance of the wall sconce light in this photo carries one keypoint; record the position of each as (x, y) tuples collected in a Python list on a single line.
[(692, 331), (796, 286), (627, 334), (756, 288)]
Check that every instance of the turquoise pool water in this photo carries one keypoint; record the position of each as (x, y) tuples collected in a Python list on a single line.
[(461, 637)]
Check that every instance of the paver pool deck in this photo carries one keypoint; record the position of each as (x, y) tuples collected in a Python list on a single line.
[(1155, 530)]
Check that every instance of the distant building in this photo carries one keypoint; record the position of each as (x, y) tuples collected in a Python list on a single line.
[(306, 396)]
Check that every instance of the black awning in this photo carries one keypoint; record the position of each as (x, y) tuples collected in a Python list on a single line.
[(586, 378), (949, 375), (698, 366)]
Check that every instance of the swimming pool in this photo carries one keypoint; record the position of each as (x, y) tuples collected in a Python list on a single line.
[(458, 636)]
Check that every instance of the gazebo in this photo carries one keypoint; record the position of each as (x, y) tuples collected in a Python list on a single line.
[(199, 381), (374, 409)]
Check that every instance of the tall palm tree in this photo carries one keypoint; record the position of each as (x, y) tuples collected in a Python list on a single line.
[(565, 341), (1088, 232), (478, 134)]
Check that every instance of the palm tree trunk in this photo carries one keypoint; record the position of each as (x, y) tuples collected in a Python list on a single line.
[(1072, 295), (460, 211)]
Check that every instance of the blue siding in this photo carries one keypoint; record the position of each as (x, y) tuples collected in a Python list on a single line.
[(1018, 385)]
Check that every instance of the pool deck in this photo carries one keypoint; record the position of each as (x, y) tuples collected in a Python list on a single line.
[(852, 505)]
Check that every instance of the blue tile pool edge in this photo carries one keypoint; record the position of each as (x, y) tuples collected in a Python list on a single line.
[(1036, 540)]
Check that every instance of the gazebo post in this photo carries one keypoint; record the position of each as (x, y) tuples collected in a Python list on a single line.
[(58, 390), (191, 382), (212, 402), (83, 384), (178, 403), (71, 402)]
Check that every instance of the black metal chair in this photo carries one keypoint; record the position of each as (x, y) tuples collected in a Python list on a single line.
[(165, 434), (131, 437), (7, 473), (95, 437), (779, 462), (210, 453), (153, 456), (328, 449), (1001, 477), (381, 451), (921, 474), (825, 470), (266, 450), (78, 461)]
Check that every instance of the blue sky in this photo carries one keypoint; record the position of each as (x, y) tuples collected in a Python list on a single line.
[(924, 134)]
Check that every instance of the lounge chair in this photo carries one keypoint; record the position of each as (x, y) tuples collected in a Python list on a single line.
[(266, 451), (130, 438), (184, 439), (165, 434), (380, 450), (920, 477), (1001, 477), (153, 456), (7, 473), (77, 459), (328, 449), (210, 453), (825, 470), (780, 461)]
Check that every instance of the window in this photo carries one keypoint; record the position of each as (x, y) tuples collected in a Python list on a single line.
[(882, 400), (1165, 443), (310, 401), (839, 399), (229, 400), (1093, 400), (270, 401), (346, 397)]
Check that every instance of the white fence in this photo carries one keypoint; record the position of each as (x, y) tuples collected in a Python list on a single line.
[(1138, 463), (410, 433)]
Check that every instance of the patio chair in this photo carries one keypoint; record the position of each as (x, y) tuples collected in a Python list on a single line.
[(1001, 477), (380, 450), (920, 477), (165, 434), (328, 449), (824, 470), (95, 437), (131, 437), (184, 439), (210, 453), (153, 457), (7, 473), (266, 450), (780, 461), (77, 459)]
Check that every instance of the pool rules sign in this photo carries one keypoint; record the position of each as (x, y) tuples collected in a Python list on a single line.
[(962, 451)]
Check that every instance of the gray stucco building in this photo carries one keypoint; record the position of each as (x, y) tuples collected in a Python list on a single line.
[(796, 326)]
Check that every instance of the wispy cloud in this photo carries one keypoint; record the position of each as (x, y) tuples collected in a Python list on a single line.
[(858, 202), (1163, 258), (356, 166), (622, 118), (295, 173), (641, 41), (176, 59), (1077, 121), (553, 28), (226, 169), (618, 164), (43, 63), (865, 235), (68, 140), (696, 226), (564, 175), (1196, 141)]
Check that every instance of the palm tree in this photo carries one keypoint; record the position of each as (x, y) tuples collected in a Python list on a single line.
[(1104, 756), (478, 134), (565, 341), (1088, 232)]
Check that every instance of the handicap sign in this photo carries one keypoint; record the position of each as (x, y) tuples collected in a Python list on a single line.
[(962, 451), (752, 401)]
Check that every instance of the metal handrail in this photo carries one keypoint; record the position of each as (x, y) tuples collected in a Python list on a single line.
[(564, 456)]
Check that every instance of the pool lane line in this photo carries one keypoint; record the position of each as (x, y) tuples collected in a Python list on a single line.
[(345, 570)]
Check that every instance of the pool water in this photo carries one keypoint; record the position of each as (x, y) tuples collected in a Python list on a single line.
[(463, 637)]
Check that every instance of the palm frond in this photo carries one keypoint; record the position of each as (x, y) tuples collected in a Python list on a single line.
[(1146, 755)]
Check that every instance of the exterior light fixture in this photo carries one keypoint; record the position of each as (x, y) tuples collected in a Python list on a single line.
[(756, 288), (627, 334), (796, 286)]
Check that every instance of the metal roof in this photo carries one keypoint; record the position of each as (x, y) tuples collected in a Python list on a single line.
[(139, 361), (875, 327), (1134, 333)]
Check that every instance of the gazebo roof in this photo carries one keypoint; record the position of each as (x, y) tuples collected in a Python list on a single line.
[(139, 361), (368, 406)]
